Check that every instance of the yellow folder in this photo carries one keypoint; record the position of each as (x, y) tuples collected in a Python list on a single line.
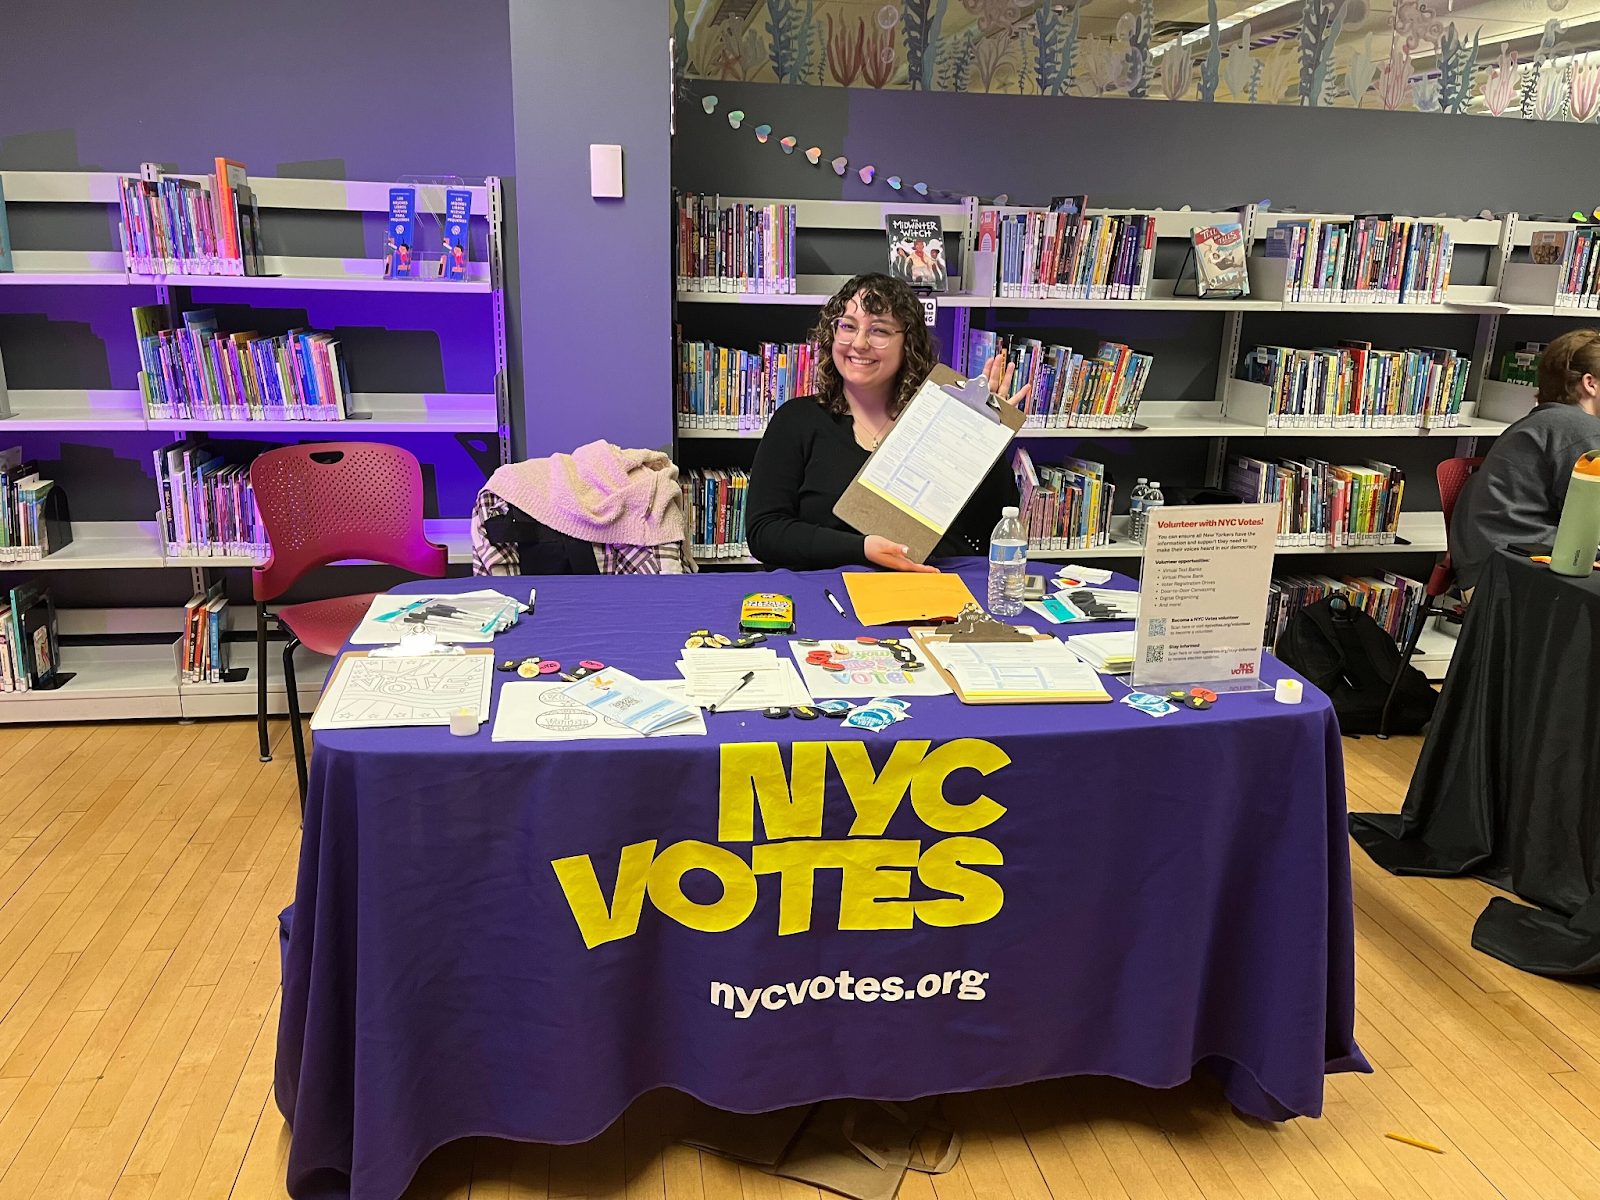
[(899, 597)]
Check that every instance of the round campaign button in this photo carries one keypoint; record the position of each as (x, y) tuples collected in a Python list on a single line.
[(722, 639), (590, 664), (808, 641), (695, 642), (1178, 694), (867, 641), (702, 633), (528, 668), (836, 709), (1198, 702), (913, 666), (1205, 694), (549, 667), (510, 664), (775, 714), (805, 712), (889, 641)]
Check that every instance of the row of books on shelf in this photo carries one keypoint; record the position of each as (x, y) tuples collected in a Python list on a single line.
[(1577, 251), (1066, 507), (1067, 388), (199, 372), (1352, 385), (205, 636), (1321, 504), (179, 225), (208, 508), (1395, 602), (1066, 254), (30, 652), (1372, 259), (723, 388), (34, 521), (715, 500), (734, 247)]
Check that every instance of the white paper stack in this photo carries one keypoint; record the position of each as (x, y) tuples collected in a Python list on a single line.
[(620, 697), (709, 674), (1111, 653)]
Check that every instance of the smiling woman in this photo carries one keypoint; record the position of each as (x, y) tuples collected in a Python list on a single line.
[(875, 354)]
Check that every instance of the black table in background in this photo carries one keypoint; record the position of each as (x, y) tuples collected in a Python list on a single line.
[(1507, 788)]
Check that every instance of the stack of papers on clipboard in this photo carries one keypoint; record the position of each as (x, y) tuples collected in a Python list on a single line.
[(1039, 670)]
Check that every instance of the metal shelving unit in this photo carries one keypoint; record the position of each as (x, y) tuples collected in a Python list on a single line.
[(121, 681)]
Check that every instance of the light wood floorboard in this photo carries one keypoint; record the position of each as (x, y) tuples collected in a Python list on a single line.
[(142, 867)]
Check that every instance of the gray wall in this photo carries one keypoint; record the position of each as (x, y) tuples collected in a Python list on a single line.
[(1135, 152), (596, 316)]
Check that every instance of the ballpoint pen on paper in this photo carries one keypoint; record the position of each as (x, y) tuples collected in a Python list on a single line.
[(733, 691), (834, 600)]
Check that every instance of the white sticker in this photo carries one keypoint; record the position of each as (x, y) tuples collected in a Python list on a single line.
[(930, 310)]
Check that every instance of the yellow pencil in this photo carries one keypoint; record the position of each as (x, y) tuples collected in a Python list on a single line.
[(1400, 1137)]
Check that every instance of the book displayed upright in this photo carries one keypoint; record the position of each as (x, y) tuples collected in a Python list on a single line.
[(398, 257), (5, 232), (916, 251), (456, 249), (1219, 261)]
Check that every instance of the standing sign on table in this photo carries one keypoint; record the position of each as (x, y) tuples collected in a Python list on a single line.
[(1203, 594)]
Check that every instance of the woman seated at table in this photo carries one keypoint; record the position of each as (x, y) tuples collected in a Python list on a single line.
[(1515, 498), (875, 353)]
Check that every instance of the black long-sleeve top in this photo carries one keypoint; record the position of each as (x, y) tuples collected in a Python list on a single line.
[(806, 459)]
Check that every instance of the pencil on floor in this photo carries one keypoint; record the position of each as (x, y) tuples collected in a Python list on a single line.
[(1400, 1137)]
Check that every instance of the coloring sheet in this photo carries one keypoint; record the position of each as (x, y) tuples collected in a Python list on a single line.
[(368, 693)]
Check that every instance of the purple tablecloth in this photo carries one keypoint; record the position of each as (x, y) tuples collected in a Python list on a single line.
[(1142, 896)]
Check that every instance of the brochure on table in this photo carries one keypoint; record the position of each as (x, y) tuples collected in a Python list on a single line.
[(917, 481), (1203, 596)]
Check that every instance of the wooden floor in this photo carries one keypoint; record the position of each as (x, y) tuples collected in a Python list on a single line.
[(142, 867)]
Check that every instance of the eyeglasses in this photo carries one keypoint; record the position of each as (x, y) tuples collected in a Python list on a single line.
[(878, 336)]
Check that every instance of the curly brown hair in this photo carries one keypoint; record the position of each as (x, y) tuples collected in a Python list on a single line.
[(881, 295), (1564, 363)]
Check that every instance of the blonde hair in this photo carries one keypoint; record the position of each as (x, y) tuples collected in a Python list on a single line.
[(1565, 362)]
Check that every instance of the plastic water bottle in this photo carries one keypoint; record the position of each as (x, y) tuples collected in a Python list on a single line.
[(1152, 499), (1136, 509), (1008, 565)]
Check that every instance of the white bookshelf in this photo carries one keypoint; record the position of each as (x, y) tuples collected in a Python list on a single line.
[(1232, 411), (134, 679)]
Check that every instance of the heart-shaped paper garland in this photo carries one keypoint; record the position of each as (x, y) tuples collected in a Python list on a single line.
[(840, 164)]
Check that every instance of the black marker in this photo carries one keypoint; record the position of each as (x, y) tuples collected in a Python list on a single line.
[(834, 600)]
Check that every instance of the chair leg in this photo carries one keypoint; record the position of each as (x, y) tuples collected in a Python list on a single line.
[(294, 720), (261, 681), (1405, 661)]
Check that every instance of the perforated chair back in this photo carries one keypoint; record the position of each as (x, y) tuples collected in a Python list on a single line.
[(1452, 475), (328, 501)]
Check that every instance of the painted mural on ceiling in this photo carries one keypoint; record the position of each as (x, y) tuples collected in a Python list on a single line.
[(1529, 59)]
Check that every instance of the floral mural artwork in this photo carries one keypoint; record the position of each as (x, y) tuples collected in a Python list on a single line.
[(1360, 71), (1583, 100), (1417, 55), (1500, 90)]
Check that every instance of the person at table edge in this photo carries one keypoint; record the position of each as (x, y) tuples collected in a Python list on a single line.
[(1515, 497), (874, 353)]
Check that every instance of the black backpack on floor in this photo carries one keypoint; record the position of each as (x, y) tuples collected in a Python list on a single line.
[(1350, 657)]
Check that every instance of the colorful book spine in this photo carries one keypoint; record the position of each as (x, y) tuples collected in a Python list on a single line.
[(715, 501), (739, 248), (737, 390)]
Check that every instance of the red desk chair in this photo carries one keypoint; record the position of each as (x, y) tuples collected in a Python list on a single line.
[(321, 503), (1452, 475)]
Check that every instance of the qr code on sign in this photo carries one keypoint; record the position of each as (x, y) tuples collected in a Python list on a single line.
[(1158, 627), (1155, 654)]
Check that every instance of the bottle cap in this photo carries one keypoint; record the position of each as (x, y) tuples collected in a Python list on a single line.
[(1009, 511)]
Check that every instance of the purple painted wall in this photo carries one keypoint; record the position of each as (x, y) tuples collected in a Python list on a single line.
[(291, 81), (596, 319)]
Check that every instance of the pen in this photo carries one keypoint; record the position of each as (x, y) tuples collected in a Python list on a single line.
[(731, 692), (833, 600)]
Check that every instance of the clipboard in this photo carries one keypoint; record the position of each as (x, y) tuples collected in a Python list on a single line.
[(866, 509), (924, 635)]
